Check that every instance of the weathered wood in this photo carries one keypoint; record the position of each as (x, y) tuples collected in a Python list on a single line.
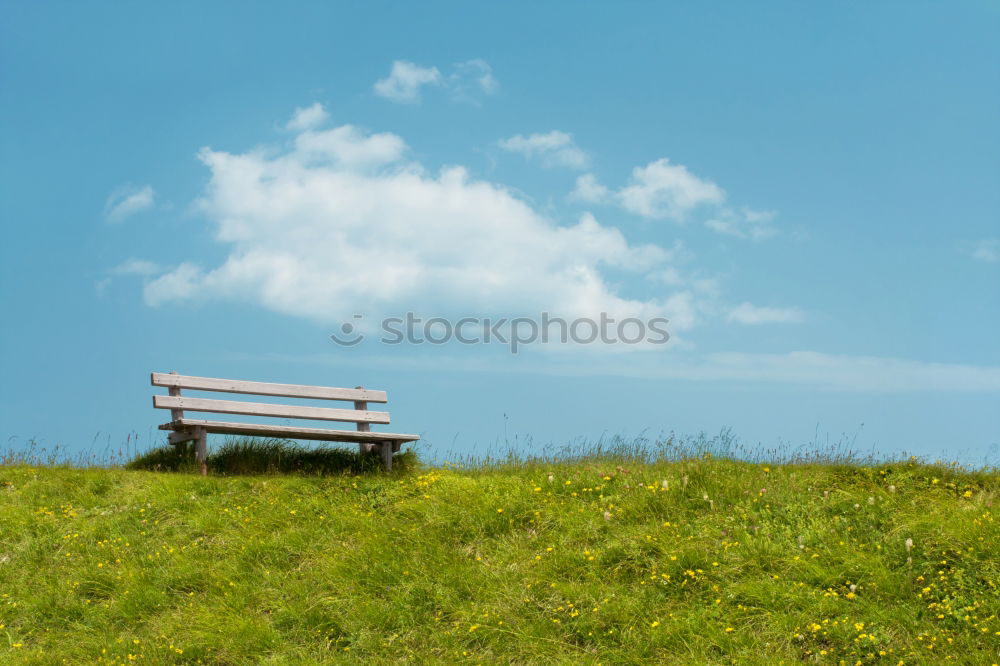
[(174, 380), (385, 448), (176, 414), (201, 450), (363, 447), (186, 429), (182, 436), (264, 409), (291, 432)]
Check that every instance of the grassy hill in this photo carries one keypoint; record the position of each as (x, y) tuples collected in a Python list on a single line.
[(594, 560)]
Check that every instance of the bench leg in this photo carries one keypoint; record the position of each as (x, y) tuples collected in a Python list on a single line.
[(365, 447), (386, 451), (201, 450)]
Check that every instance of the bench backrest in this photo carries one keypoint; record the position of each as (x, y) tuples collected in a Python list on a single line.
[(178, 403)]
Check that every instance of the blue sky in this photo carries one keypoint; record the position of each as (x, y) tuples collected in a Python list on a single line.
[(808, 193)]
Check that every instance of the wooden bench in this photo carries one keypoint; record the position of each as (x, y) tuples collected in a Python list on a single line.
[(186, 429)]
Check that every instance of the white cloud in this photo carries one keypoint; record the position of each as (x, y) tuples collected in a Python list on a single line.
[(137, 267), (405, 80), (987, 250), (181, 283), (840, 372), (308, 117), (467, 82), (745, 223), (750, 314), (341, 223), (818, 370), (554, 149), (589, 189), (845, 372), (348, 147), (472, 79), (661, 190), (128, 200)]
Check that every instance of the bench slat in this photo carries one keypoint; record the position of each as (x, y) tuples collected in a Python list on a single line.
[(256, 429), (265, 388), (263, 409)]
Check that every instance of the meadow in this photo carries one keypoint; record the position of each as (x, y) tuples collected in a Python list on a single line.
[(615, 555)]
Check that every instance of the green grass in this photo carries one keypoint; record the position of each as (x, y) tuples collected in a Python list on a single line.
[(605, 557), (268, 456)]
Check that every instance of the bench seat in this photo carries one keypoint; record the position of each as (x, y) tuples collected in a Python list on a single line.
[(291, 432)]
